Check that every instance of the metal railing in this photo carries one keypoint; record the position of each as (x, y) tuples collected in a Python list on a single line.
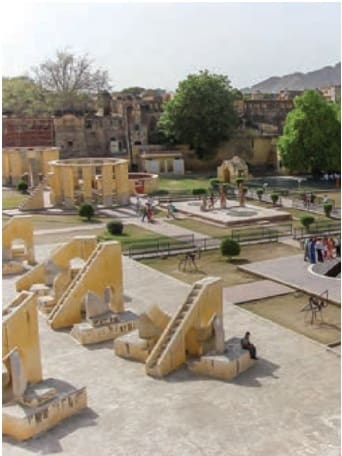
[(319, 228)]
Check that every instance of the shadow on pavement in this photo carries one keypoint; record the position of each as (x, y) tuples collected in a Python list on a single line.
[(262, 368)]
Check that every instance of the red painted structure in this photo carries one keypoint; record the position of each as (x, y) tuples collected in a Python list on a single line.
[(27, 132)]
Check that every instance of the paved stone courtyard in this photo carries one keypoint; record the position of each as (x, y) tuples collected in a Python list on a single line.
[(229, 215), (294, 272), (287, 404)]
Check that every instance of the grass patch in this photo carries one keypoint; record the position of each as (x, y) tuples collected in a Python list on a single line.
[(286, 311), (202, 227), (133, 234), (212, 263), (11, 199), (183, 183)]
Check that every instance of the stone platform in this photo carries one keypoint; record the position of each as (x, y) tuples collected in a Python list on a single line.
[(225, 217), (22, 422), (225, 366), (131, 346), (87, 333)]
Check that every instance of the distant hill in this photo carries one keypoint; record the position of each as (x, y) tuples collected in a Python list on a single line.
[(329, 75)]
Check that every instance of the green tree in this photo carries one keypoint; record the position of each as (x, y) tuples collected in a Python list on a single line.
[(201, 113), (69, 82), (306, 221), (86, 210), (230, 248), (22, 186), (312, 135), (22, 97), (327, 207)]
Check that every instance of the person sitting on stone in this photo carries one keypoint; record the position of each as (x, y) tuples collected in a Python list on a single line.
[(247, 345)]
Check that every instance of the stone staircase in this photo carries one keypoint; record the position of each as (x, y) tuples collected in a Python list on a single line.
[(159, 363), (74, 283), (35, 200)]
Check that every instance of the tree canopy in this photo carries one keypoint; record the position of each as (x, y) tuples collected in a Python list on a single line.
[(311, 137), (66, 83), (69, 82), (21, 96), (201, 113)]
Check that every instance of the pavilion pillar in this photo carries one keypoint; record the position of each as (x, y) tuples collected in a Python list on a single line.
[(87, 187), (107, 184), (122, 183), (68, 186)]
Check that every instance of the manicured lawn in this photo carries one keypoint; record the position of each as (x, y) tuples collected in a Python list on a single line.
[(11, 199), (202, 227), (132, 234), (286, 311), (212, 263), (183, 183), (336, 196)]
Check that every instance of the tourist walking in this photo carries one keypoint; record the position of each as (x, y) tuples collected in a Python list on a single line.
[(312, 251), (320, 250), (170, 210), (144, 212), (306, 249), (211, 201), (138, 206), (338, 247)]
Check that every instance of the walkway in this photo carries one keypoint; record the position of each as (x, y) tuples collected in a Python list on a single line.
[(291, 395), (260, 289), (293, 272)]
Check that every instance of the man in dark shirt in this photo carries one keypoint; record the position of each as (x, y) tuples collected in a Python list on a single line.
[(247, 345)]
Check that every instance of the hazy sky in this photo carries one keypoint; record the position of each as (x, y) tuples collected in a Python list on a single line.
[(158, 44)]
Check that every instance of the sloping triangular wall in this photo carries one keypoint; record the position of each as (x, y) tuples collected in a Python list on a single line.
[(102, 269), (183, 333), (78, 247)]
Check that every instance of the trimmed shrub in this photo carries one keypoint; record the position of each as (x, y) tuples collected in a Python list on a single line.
[(274, 198), (230, 248), (86, 210), (239, 180), (260, 192), (22, 186), (327, 209), (199, 191), (161, 192), (214, 183), (306, 221), (115, 227)]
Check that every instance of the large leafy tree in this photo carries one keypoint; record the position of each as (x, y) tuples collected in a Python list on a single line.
[(70, 82), (311, 138), (21, 96), (201, 113)]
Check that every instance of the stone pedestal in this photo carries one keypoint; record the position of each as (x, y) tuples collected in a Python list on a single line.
[(104, 328), (131, 346), (226, 366), (23, 422)]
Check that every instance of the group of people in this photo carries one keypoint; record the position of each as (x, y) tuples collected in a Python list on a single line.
[(208, 203), (321, 249), (144, 210), (308, 199)]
